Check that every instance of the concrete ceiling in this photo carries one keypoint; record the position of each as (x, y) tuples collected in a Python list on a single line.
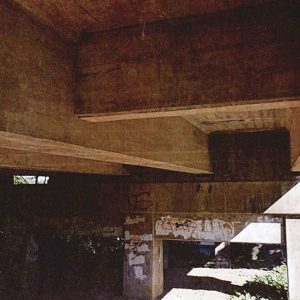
[(246, 120), (71, 17)]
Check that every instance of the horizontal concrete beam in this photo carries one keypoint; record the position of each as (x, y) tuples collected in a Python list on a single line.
[(242, 56), (213, 228), (204, 197)]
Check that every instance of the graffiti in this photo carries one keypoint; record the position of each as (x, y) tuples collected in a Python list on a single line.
[(201, 229), (140, 201), (135, 237), (135, 259), (137, 247), (134, 246), (187, 223), (139, 272), (130, 221)]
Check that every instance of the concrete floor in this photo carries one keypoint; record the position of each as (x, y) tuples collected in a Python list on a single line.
[(187, 294), (205, 283)]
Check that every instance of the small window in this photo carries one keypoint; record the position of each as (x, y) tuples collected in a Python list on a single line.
[(30, 179)]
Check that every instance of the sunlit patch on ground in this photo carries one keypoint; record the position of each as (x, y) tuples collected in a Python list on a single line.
[(235, 276), (189, 294), (206, 283)]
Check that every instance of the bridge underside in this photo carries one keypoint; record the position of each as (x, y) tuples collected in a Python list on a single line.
[(154, 121)]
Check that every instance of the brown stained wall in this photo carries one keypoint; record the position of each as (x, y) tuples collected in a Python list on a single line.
[(253, 156), (238, 55), (36, 68)]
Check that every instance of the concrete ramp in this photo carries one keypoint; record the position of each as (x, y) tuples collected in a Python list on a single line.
[(261, 233), (288, 204)]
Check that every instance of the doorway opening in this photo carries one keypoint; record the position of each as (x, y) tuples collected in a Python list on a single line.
[(208, 270)]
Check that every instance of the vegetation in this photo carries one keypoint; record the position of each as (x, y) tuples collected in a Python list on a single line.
[(32, 179), (273, 286), (18, 179)]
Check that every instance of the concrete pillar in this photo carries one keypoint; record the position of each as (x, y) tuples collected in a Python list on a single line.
[(143, 262), (293, 257), (157, 269)]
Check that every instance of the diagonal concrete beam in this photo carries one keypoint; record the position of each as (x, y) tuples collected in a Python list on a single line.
[(288, 204), (171, 144), (262, 233), (22, 160)]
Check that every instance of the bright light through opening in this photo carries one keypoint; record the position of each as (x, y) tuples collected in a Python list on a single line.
[(30, 179)]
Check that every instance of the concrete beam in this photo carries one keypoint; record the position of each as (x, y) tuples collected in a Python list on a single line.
[(22, 160), (37, 95), (171, 144), (242, 56), (288, 204), (204, 198)]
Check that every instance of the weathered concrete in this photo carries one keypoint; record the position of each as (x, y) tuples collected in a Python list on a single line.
[(293, 254), (215, 228), (206, 211), (288, 204), (138, 268), (262, 233), (211, 60), (243, 62)]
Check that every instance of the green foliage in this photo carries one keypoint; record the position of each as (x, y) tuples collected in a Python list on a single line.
[(272, 286), (18, 179), (247, 296)]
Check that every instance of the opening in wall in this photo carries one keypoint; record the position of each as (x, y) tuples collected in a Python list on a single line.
[(30, 179), (209, 270)]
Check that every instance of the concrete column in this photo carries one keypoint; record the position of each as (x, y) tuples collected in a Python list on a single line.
[(293, 257), (143, 262), (157, 269)]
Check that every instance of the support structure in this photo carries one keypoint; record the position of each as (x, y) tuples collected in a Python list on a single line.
[(181, 148), (293, 254), (289, 207), (295, 139), (22, 160), (210, 87), (192, 63)]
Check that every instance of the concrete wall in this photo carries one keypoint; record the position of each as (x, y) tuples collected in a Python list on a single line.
[(236, 55), (251, 172), (32, 56)]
